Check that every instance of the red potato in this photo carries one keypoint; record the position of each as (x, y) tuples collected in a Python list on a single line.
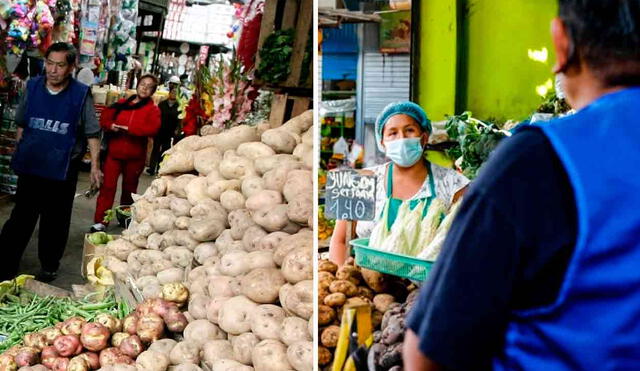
[(27, 356), (112, 323), (13, 351), (49, 352), (118, 337), (60, 364), (144, 308), (38, 367), (175, 320), (49, 362), (109, 356), (7, 363), (162, 307), (67, 345), (131, 346), (95, 336), (50, 334), (36, 340), (130, 323), (93, 360), (150, 327), (78, 363), (73, 326)]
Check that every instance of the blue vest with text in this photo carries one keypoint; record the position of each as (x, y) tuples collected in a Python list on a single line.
[(595, 322), (49, 135)]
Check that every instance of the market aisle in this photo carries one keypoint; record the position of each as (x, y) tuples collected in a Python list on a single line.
[(82, 219)]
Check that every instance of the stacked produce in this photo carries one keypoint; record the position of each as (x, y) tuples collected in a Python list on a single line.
[(350, 285), (416, 232), (26, 313), (325, 226), (106, 343), (230, 219), (386, 351)]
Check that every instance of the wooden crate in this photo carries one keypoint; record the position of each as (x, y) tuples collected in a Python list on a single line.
[(285, 106), (282, 15)]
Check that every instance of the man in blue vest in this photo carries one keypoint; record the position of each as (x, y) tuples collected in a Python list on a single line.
[(56, 119), (541, 268)]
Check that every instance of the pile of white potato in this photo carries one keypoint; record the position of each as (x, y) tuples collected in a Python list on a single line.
[(230, 217)]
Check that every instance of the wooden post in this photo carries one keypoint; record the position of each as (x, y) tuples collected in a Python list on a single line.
[(300, 105), (278, 110), (305, 17), (289, 16), (266, 27)]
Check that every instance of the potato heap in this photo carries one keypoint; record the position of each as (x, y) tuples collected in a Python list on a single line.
[(386, 351), (350, 285), (230, 217)]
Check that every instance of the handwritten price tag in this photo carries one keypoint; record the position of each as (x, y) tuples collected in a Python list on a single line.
[(350, 195)]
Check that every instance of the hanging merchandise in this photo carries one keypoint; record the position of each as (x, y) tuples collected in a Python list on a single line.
[(29, 25), (250, 33), (42, 24), (63, 30), (89, 39), (19, 27), (122, 44)]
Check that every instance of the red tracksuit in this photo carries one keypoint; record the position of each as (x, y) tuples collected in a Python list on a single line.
[(126, 153)]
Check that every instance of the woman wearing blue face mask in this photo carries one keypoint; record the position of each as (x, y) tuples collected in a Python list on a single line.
[(402, 132)]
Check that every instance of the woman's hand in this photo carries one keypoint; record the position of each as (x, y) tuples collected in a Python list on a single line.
[(338, 249), (116, 127)]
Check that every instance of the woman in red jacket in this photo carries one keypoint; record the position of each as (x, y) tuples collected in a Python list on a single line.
[(127, 124)]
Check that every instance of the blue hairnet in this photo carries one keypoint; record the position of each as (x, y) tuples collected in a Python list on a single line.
[(401, 108)]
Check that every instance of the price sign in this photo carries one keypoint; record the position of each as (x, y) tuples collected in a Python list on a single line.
[(350, 196)]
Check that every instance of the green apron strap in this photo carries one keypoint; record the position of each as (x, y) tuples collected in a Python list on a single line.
[(432, 188), (390, 180)]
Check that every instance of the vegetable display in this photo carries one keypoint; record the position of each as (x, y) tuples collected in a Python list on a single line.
[(476, 140), (413, 234), (224, 232), (386, 351), (347, 286), (27, 313), (80, 345), (325, 226), (276, 56)]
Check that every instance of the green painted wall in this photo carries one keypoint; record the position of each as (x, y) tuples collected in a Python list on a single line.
[(483, 64), (436, 84), (502, 79)]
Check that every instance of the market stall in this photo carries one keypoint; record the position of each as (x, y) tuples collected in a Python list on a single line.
[(219, 250), (213, 268), (378, 284)]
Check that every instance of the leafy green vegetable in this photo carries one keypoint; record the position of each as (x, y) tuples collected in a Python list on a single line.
[(275, 57), (99, 238), (108, 217), (552, 104), (477, 139)]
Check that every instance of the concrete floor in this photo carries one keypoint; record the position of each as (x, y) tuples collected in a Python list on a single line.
[(81, 221)]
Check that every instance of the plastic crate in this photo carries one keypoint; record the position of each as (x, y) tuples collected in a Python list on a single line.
[(385, 262)]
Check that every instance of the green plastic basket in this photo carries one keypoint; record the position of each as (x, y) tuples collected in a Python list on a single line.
[(390, 263)]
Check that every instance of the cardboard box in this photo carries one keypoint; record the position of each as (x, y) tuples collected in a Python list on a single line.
[(44, 289), (90, 250)]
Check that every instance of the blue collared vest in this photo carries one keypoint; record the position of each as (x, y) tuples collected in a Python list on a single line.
[(595, 322), (49, 135)]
